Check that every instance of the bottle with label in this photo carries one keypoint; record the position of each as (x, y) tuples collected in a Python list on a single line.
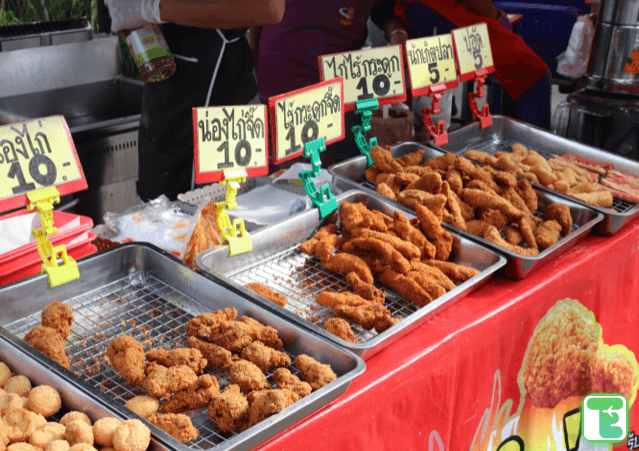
[(151, 53)]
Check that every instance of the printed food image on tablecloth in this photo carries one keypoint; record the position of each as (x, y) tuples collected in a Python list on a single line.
[(631, 66), (566, 360)]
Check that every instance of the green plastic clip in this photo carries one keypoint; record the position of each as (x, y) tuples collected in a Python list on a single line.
[(243, 242), (323, 199), (365, 108)]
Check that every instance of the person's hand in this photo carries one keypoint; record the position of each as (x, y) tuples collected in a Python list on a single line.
[(132, 14)]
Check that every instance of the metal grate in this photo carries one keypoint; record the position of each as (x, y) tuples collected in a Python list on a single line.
[(301, 278), (37, 28), (152, 312)]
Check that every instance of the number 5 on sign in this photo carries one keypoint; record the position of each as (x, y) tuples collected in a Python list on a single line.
[(431, 62), (230, 138), (302, 116), (472, 45)]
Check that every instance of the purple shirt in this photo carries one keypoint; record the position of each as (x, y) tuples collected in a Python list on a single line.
[(287, 53)]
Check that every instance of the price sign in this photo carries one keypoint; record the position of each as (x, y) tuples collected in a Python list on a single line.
[(230, 138), (35, 155), (368, 74), (305, 115), (473, 50), (431, 61)]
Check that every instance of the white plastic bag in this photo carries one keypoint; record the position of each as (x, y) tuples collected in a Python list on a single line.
[(573, 63)]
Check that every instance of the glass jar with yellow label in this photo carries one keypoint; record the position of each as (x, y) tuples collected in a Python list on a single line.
[(151, 53)]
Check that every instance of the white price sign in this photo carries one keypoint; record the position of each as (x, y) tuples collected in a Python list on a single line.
[(431, 61), (472, 45)]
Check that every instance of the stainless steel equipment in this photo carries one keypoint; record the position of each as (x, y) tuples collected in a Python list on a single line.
[(141, 291), (350, 173), (82, 81), (276, 262), (38, 34), (617, 35)]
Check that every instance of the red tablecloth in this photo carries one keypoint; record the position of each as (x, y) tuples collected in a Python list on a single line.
[(435, 384)]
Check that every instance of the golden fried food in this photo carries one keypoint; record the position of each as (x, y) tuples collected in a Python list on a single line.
[(561, 214), (326, 246), (5, 374), (126, 354), (481, 157), (196, 396), (494, 217), (269, 402), (177, 425), (430, 183), (21, 446), (332, 299), (308, 246), (407, 232), (265, 334), (513, 235), (452, 206), (391, 181), (103, 430), (313, 372), (82, 447), (406, 178), (466, 167), (49, 342), (529, 195), (285, 379), (19, 424), (434, 232), (385, 190), (547, 234), (371, 173), (247, 376), (492, 235), (346, 263), (234, 336), (406, 287), (44, 400), (79, 432), (131, 435), (505, 179), (72, 416), (340, 328), (384, 323), (216, 356), (190, 357), (477, 227), (366, 290), (269, 294), (411, 159), (489, 199), (364, 315), (454, 178), (413, 197), (163, 382), (20, 385), (229, 409), (557, 362), (265, 357), (407, 249), (143, 405), (48, 433), (205, 326), (353, 216), (384, 160), (443, 162), (384, 250), (58, 445), (526, 229), (428, 284), (58, 316)]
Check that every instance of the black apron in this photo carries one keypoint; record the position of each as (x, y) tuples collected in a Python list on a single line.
[(214, 68)]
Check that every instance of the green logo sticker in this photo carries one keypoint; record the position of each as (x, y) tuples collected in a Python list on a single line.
[(605, 418)]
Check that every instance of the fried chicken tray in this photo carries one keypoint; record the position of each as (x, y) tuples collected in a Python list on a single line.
[(351, 174), (141, 294), (299, 280), (506, 132)]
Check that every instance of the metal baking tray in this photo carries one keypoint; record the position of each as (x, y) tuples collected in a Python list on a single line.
[(139, 290), (506, 131), (350, 173), (276, 262), (18, 357)]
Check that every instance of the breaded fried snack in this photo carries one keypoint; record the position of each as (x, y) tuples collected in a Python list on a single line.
[(79, 432), (19, 385), (126, 354), (143, 405), (285, 379), (44, 400), (5, 374), (178, 425), (68, 418), (557, 362), (46, 434), (58, 316), (229, 408), (340, 328), (269, 402), (58, 445), (131, 435), (103, 430), (313, 372)]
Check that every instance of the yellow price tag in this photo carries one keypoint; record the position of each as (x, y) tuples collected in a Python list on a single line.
[(431, 61), (230, 138), (35, 155), (368, 74), (305, 115), (473, 49)]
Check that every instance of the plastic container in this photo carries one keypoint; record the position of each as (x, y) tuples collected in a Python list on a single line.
[(151, 53)]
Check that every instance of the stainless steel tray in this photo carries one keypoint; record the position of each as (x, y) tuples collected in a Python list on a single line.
[(139, 290), (506, 131), (350, 173), (276, 261)]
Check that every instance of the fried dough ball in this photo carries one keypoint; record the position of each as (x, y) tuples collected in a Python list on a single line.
[(25, 400), (19, 424), (103, 430), (44, 400), (79, 432), (46, 434), (20, 385), (131, 435), (74, 416), (143, 405), (21, 446), (5, 374), (58, 445), (82, 447), (10, 401)]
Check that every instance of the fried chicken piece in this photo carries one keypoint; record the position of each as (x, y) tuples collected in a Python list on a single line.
[(196, 396), (412, 197), (386, 191), (442, 163), (269, 402), (49, 342), (313, 372), (467, 211), (526, 229), (513, 235), (435, 273), (559, 354), (475, 172), (286, 380), (216, 356), (453, 207), (384, 250), (429, 285), (505, 179), (229, 409), (481, 157), (332, 299), (406, 248), (181, 356), (452, 270), (58, 316), (372, 173), (430, 183), (454, 178), (561, 214), (366, 290), (247, 375), (487, 199), (308, 246), (494, 217), (205, 326), (478, 184), (528, 194), (177, 425), (262, 332), (511, 195), (326, 246), (492, 235), (269, 294), (389, 180), (364, 315), (384, 323), (442, 239), (411, 159), (264, 357), (405, 287), (547, 234), (353, 216), (477, 227), (163, 381), (126, 354), (612, 372), (406, 178), (384, 160), (346, 263), (407, 232), (340, 328)]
